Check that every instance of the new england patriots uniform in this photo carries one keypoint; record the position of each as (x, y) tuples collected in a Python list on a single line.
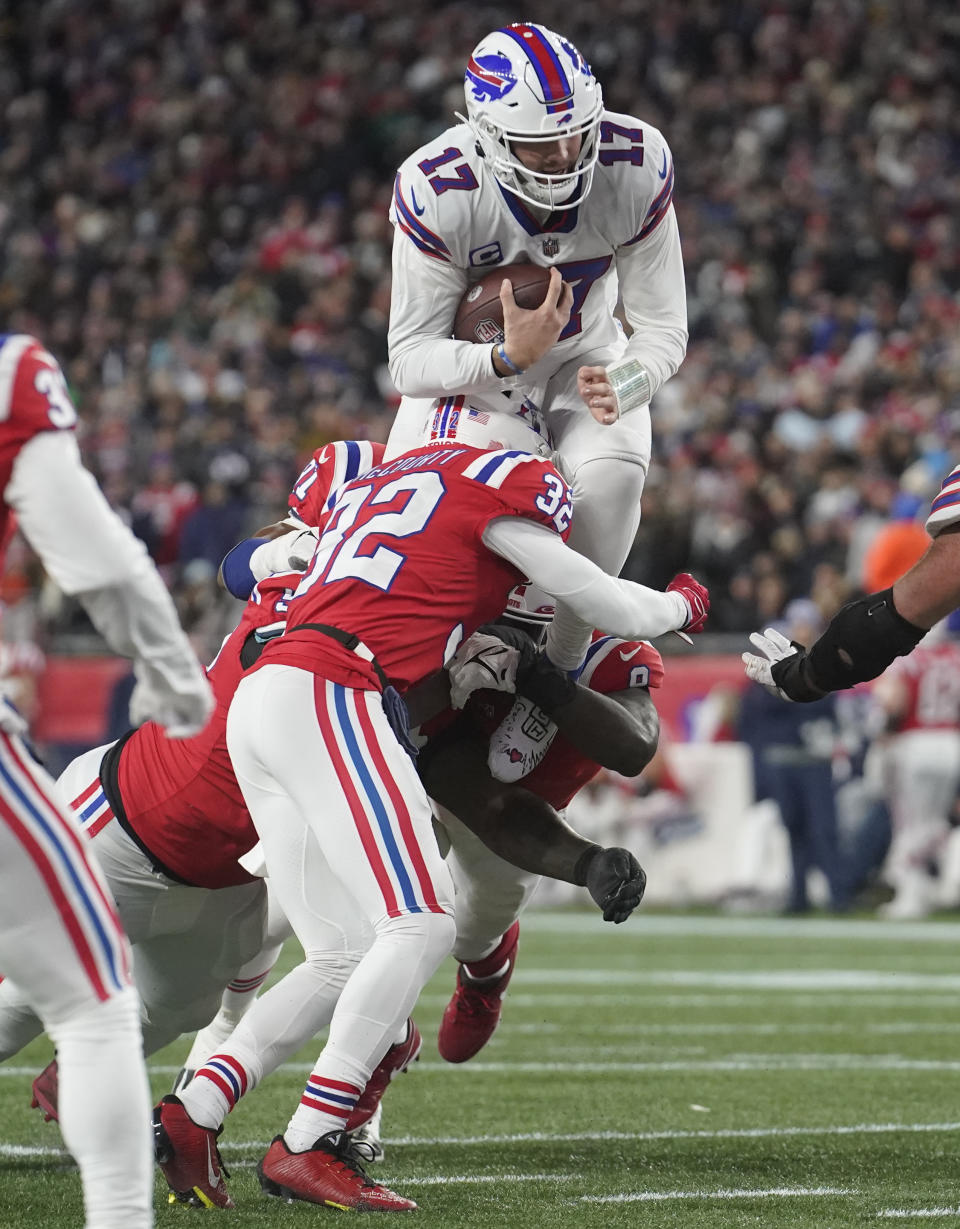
[(61, 945), (414, 607), (167, 817)]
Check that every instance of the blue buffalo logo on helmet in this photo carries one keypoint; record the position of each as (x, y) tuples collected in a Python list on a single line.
[(490, 76)]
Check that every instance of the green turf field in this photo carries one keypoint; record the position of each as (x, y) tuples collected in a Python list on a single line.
[(669, 1073)]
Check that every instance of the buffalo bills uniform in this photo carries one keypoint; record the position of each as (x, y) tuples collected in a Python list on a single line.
[(455, 220), (492, 893), (60, 939)]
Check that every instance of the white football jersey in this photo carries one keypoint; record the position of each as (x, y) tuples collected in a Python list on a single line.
[(454, 223), (945, 509)]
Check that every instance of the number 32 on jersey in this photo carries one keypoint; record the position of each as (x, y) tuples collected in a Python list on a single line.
[(349, 548)]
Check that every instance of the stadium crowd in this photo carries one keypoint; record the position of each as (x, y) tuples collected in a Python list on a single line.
[(193, 216)]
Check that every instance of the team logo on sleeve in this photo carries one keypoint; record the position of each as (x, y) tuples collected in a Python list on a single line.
[(490, 76)]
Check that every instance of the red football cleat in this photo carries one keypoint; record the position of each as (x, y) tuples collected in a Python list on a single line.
[(45, 1090), (330, 1174), (189, 1158), (472, 1015), (398, 1058)]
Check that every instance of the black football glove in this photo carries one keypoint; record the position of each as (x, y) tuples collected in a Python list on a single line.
[(615, 880)]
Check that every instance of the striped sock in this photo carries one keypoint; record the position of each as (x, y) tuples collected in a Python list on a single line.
[(325, 1106), (215, 1090)]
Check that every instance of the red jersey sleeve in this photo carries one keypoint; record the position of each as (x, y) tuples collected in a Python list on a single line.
[(525, 486), (328, 469), (613, 665), (33, 393)]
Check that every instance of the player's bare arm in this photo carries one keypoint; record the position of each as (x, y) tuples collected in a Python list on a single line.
[(524, 829), (530, 333), (619, 731), (931, 589)]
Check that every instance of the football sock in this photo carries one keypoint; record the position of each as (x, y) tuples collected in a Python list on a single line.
[(237, 1000), (325, 1105), (104, 1107), (491, 967)]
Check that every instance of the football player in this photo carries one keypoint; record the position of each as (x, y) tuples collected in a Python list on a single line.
[(60, 939), (608, 720), (317, 737), (865, 636), (169, 828), (539, 171)]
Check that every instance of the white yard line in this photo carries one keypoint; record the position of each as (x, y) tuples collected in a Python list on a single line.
[(742, 979), (917, 1213), (458, 1179), (235, 1147), (912, 999), (776, 1192), (603, 1028), (742, 1062), (643, 926)]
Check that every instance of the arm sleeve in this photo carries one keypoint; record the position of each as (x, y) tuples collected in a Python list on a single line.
[(424, 360), (91, 554), (655, 302), (619, 606)]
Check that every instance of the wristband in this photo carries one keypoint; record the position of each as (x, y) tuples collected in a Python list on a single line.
[(631, 385), (238, 579), (508, 361)]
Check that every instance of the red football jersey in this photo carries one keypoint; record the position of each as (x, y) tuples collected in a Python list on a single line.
[(327, 470), (180, 794), (402, 565), (611, 665), (33, 398), (931, 676)]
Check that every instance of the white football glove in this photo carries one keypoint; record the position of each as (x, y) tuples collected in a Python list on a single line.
[(183, 705), (775, 647), (482, 661), (291, 551)]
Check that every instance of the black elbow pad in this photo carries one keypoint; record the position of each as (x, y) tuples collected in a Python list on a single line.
[(862, 639)]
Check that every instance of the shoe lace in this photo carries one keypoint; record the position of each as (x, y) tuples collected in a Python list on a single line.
[(475, 1002), (223, 1169), (350, 1154)]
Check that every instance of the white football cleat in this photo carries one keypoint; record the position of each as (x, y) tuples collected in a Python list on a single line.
[(520, 741)]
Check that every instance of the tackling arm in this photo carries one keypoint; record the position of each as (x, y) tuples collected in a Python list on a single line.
[(618, 731), (524, 829), (619, 606)]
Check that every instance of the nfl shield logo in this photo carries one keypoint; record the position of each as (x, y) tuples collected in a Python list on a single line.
[(551, 246)]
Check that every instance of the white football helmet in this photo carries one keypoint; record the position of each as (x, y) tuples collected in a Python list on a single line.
[(525, 83), (454, 420)]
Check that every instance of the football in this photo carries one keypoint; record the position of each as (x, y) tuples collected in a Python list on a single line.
[(480, 315)]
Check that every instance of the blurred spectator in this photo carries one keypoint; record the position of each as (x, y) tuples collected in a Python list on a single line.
[(898, 544), (193, 212), (920, 695), (794, 746)]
